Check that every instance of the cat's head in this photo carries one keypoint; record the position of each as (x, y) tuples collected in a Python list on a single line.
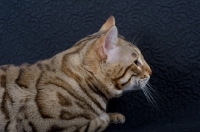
[(115, 59)]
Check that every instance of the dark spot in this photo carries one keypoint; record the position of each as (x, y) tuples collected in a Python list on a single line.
[(81, 105), (38, 80), (63, 100), (42, 111), (48, 67), (69, 116), (25, 116), (3, 81), (55, 129), (98, 128), (19, 81), (22, 109), (40, 66), (4, 106), (65, 115), (21, 70), (34, 129), (3, 68), (118, 86), (6, 127), (88, 126), (19, 121)]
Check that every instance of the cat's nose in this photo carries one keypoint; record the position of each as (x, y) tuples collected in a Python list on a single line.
[(150, 73)]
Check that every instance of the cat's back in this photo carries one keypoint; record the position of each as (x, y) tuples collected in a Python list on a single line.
[(18, 89), (36, 96)]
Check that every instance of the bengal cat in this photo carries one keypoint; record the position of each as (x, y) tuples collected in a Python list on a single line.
[(69, 91)]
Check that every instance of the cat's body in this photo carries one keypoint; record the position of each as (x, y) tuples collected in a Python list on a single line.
[(69, 92)]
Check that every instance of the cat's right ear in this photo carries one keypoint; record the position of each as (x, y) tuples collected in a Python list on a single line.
[(108, 24), (106, 44)]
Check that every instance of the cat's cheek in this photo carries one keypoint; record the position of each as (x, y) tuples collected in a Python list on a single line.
[(133, 85)]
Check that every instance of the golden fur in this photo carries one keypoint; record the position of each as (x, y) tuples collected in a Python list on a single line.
[(69, 91)]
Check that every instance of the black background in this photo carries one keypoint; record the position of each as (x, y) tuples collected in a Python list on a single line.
[(168, 33)]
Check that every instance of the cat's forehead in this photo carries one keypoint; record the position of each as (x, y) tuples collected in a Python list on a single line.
[(127, 46)]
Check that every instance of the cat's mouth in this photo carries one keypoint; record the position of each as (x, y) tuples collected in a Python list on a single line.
[(135, 83)]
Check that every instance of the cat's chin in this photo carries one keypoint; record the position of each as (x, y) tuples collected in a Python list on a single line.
[(119, 95), (137, 88), (131, 88)]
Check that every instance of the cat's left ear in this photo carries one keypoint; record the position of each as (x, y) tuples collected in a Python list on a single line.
[(106, 44)]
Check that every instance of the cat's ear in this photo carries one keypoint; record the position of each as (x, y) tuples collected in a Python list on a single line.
[(106, 43), (108, 24)]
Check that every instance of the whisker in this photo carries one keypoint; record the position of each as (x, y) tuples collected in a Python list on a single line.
[(147, 97), (138, 39), (157, 96), (134, 38), (150, 97)]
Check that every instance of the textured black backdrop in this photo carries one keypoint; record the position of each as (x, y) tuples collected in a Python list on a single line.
[(32, 30)]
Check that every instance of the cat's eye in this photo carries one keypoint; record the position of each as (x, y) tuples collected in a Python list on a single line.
[(137, 62)]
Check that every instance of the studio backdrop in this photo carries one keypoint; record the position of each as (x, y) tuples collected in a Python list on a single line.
[(166, 31)]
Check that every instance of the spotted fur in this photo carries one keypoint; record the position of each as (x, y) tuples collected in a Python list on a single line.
[(69, 91)]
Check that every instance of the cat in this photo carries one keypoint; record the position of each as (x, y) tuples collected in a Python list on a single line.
[(69, 91)]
